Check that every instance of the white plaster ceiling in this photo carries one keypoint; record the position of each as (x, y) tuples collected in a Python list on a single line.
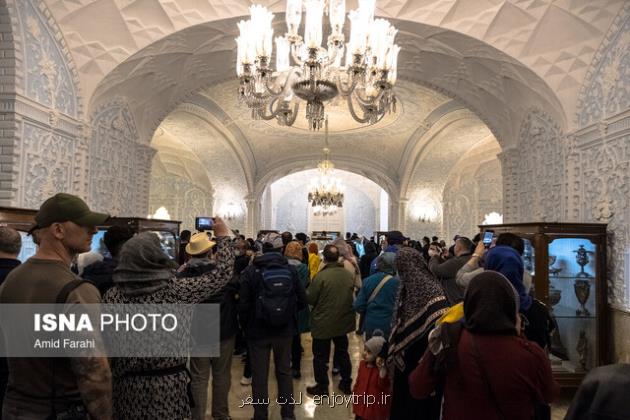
[(555, 38)]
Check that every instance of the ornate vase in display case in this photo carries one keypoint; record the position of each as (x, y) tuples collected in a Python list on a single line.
[(567, 265), (582, 292), (581, 257)]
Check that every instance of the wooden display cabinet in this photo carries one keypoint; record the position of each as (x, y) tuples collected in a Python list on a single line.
[(567, 262), (23, 219)]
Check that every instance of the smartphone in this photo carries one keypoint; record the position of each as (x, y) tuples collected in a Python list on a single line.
[(487, 238), (204, 223)]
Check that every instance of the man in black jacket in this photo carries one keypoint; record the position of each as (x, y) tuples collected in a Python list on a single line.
[(265, 333)]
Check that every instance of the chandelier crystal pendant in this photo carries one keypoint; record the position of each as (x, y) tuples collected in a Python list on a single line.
[(325, 192), (307, 71)]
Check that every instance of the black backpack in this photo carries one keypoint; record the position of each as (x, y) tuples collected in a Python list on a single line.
[(276, 300)]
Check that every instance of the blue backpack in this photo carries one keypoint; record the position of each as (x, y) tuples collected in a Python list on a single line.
[(276, 301)]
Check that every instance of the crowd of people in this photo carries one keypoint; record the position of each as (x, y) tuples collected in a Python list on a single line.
[(449, 332)]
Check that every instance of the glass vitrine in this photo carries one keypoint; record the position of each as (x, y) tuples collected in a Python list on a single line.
[(166, 230), (567, 262)]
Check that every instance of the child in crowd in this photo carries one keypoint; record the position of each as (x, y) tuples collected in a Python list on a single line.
[(371, 390)]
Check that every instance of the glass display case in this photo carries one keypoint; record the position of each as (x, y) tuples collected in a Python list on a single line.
[(567, 262), (166, 230), (23, 219)]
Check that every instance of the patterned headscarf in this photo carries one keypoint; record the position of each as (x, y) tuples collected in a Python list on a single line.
[(420, 302)]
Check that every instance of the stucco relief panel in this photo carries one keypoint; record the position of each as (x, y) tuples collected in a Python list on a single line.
[(46, 164), (606, 199), (47, 76), (607, 90), (113, 161), (183, 199), (540, 169)]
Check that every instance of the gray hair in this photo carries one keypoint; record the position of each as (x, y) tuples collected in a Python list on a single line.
[(10, 240)]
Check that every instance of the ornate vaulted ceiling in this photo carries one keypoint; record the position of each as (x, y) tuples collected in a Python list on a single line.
[(555, 38)]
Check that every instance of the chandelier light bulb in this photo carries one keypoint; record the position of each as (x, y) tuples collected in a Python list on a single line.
[(337, 15), (262, 31), (313, 23), (293, 16)]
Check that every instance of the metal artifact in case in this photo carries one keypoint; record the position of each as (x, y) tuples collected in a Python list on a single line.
[(567, 264)]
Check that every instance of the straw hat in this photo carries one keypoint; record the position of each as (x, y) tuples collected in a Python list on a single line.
[(199, 243)]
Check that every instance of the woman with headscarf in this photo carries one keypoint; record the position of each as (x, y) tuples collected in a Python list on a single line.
[(293, 252), (366, 260), (420, 302), (377, 298), (349, 261), (152, 387), (313, 259), (486, 369)]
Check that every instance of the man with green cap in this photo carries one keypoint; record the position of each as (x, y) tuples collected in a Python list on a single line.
[(47, 387)]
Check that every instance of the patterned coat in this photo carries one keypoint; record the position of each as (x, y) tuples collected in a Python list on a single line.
[(164, 397)]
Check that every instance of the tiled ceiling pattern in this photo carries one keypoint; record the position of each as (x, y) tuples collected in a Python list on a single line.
[(555, 38)]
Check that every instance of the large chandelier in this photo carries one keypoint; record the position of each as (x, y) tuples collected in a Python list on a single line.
[(325, 193), (306, 71)]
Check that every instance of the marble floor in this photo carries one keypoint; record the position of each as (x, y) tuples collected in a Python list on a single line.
[(308, 409)]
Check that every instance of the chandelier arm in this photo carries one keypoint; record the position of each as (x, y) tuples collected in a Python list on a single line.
[(273, 113), (367, 101), (354, 114), (346, 91), (296, 109), (285, 85)]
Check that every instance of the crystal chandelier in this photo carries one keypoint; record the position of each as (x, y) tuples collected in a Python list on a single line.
[(307, 71), (325, 192)]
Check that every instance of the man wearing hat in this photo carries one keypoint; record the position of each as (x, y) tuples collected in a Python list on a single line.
[(65, 226), (265, 333), (199, 248)]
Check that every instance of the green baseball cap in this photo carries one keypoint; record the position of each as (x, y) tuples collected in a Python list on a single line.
[(64, 207)]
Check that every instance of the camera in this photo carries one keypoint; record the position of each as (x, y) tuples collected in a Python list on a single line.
[(204, 223)]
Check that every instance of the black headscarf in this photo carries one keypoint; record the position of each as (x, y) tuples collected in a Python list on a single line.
[(491, 304)]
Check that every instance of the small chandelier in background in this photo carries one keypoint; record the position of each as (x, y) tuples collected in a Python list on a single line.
[(317, 74), (325, 192)]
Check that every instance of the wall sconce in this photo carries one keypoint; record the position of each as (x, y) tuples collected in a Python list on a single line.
[(160, 214), (230, 211), (493, 218), (425, 214)]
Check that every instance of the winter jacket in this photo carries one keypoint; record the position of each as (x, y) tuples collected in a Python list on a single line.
[(331, 294), (373, 394), (304, 315), (100, 273), (378, 313), (446, 272), (255, 328), (195, 267)]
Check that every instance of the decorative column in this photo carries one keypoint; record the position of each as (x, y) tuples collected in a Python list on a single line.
[(144, 160), (393, 215), (509, 169), (402, 214), (251, 221)]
